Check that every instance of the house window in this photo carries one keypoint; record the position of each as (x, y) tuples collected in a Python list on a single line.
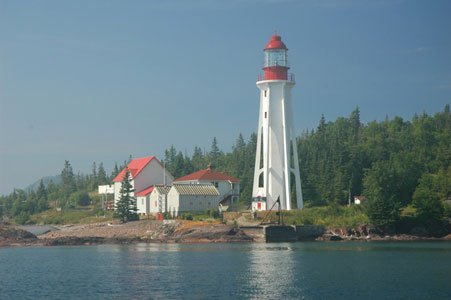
[(215, 183)]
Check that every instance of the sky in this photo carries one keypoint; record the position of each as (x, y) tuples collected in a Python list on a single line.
[(89, 81)]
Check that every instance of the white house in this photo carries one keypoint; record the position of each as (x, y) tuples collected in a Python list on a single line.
[(152, 200), (145, 172), (228, 186), (192, 198)]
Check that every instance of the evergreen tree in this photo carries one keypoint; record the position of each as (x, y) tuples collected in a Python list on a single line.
[(170, 160), (42, 197), (115, 171), (101, 175), (42, 191), (198, 159), (426, 200), (125, 208), (380, 191), (68, 181), (94, 171), (215, 153)]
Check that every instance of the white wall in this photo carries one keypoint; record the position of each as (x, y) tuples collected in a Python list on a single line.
[(142, 204), (173, 201), (197, 203), (152, 174), (154, 202), (177, 204)]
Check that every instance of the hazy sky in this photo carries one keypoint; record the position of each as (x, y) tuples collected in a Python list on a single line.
[(98, 80)]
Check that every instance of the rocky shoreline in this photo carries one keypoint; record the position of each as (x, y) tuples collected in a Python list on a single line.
[(173, 231)]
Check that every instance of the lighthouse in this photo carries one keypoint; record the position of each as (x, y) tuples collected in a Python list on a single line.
[(276, 175)]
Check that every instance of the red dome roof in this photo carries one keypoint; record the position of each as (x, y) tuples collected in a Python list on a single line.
[(275, 43)]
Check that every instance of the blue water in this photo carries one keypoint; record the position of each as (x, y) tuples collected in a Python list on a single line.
[(311, 270)]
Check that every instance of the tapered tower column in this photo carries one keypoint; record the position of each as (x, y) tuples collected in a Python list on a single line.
[(276, 160)]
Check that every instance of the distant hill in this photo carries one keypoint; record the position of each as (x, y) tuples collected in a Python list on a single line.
[(34, 186)]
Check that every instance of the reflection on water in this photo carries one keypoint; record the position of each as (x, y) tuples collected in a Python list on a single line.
[(270, 272), (228, 271)]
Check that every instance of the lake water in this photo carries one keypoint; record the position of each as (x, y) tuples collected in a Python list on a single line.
[(313, 270)]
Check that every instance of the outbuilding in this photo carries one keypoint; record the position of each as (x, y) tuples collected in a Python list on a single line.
[(192, 198)]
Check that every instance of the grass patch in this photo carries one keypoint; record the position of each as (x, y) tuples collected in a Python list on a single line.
[(72, 216), (328, 216)]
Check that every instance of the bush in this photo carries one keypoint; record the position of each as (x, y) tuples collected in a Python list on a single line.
[(214, 214), (186, 216), (80, 198), (447, 210), (22, 218)]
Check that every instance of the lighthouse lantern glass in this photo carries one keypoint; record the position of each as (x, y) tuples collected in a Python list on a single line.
[(276, 57)]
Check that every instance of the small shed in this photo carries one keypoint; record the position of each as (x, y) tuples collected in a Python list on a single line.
[(158, 199), (192, 198)]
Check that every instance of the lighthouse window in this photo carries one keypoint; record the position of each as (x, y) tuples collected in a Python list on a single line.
[(266, 114), (265, 92)]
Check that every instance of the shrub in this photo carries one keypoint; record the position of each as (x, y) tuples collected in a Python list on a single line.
[(214, 214), (186, 216), (22, 218), (80, 198)]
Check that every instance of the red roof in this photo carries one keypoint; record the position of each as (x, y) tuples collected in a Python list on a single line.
[(135, 167), (207, 174), (275, 43), (145, 192)]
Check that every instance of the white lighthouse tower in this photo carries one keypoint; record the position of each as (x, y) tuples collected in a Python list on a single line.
[(276, 161)]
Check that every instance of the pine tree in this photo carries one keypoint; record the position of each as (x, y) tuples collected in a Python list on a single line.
[(380, 190), (125, 208), (215, 153), (198, 160), (42, 196), (101, 175), (115, 171), (169, 159), (68, 181)]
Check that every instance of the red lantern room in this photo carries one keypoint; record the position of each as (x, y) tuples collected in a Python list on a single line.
[(276, 63)]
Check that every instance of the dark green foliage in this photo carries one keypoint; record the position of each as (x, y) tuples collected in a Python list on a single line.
[(101, 175), (186, 216), (215, 154), (80, 198), (23, 218), (381, 189), (426, 200), (125, 208), (68, 180)]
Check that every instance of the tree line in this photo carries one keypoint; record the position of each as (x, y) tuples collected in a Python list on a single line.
[(395, 164)]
